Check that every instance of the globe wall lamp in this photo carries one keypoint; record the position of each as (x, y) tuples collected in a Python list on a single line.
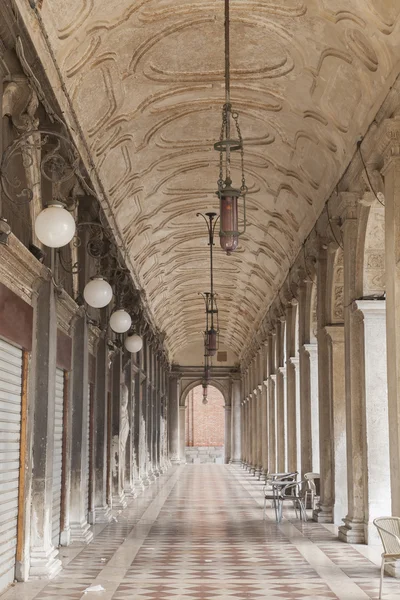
[(229, 196)]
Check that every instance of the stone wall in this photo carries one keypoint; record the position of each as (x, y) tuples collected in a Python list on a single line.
[(205, 424)]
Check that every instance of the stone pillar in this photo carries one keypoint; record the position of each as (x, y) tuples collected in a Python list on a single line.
[(272, 428), (80, 529), (102, 512), (259, 431), (182, 440), (44, 561), (265, 427), (324, 512), (353, 529), (130, 467), (335, 339), (309, 408), (228, 433), (143, 455), (281, 419), (236, 420), (117, 466), (391, 174), (173, 419), (376, 456)]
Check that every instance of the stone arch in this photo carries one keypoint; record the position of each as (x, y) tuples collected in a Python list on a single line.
[(222, 387)]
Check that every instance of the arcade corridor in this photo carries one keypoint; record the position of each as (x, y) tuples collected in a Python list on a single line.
[(198, 534)]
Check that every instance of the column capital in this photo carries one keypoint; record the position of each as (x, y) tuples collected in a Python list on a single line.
[(388, 142), (372, 308), (336, 333), (348, 205)]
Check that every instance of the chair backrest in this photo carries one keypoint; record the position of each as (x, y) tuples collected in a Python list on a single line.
[(312, 482), (292, 489), (389, 531)]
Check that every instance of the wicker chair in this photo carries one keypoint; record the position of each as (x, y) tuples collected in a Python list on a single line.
[(389, 531)]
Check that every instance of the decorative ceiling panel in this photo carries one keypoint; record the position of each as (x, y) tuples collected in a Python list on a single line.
[(146, 80)]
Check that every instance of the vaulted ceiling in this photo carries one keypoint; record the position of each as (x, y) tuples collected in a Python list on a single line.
[(146, 81)]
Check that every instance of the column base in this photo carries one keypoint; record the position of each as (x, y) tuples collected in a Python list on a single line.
[(130, 491), (81, 535), (235, 461), (119, 501), (45, 564), (352, 531), (323, 514), (65, 537), (102, 515)]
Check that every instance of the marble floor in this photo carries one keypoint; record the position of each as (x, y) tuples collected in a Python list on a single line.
[(198, 534)]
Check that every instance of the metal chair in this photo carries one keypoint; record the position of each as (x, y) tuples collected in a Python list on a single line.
[(389, 531), (292, 493), (312, 488), (268, 491)]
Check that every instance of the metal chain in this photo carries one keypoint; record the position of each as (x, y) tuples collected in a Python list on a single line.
[(235, 117)]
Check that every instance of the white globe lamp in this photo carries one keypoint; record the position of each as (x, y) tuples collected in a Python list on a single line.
[(133, 343), (98, 292), (120, 321), (55, 226)]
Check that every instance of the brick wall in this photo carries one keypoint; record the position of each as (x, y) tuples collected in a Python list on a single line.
[(205, 424)]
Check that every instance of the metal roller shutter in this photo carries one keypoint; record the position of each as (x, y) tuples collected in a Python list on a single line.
[(57, 457), (10, 433)]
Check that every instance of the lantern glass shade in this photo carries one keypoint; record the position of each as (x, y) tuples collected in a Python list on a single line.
[(133, 343), (229, 234), (211, 342), (120, 321), (98, 292), (55, 226)]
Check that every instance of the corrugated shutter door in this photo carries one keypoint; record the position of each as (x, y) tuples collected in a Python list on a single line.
[(88, 453), (10, 433), (57, 456)]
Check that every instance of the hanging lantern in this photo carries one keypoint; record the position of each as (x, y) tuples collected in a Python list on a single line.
[(229, 232), (55, 226), (228, 195), (133, 343), (98, 292), (120, 321), (211, 342)]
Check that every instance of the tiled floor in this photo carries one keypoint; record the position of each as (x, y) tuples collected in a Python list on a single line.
[(198, 534)]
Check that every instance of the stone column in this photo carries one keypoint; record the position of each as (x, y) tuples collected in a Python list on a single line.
[(173, 419), (353, 529), (236, 420), (117, 467), (228, 433), (102, 511), (391, 174), (143, 454), (182, 437), (265, 427), (309, 408), (308, 382), (130, 467), (272, 428), (259, 431), (44, 561), (324, 512), (80, 529), (335, 338), (281, 419), (376, 465)]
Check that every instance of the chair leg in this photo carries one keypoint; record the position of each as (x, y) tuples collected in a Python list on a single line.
[(265, 508), (382, 575)]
